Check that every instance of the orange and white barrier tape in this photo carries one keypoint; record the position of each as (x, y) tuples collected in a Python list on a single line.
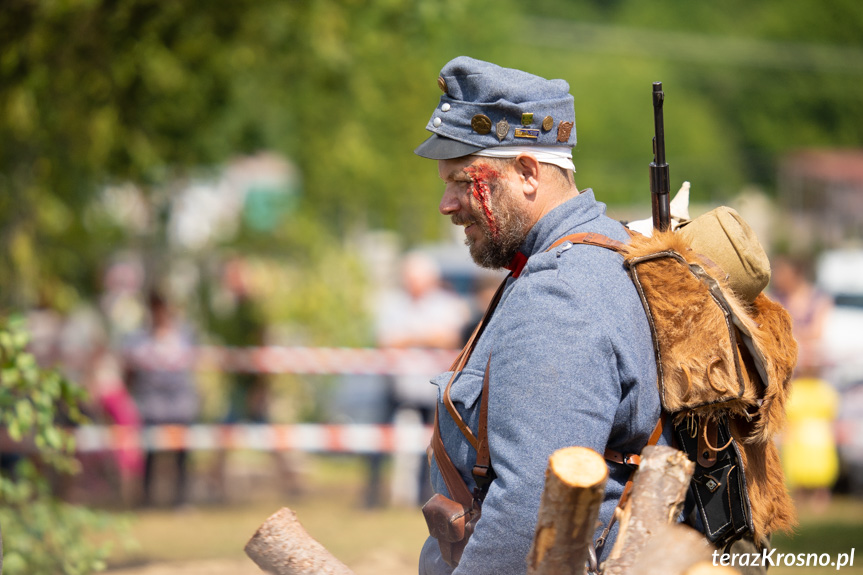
[(311, 438), (298, 360)]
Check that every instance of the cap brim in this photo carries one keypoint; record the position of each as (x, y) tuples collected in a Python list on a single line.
[(440, 148)]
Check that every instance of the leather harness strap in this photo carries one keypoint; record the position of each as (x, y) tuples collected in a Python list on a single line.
[(632, 461), (453, 480), (591, 239), (461, 361), (451, 477), (483, 474)]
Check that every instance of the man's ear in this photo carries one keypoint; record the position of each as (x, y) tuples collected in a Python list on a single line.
[(528, 169)]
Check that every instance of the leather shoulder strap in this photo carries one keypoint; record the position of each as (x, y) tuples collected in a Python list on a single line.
[(451, 477), (455, 484), (461, 361), (482, 472), (591, 239), (633, 461)]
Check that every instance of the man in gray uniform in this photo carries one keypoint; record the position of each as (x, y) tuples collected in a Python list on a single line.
[(568, 348)]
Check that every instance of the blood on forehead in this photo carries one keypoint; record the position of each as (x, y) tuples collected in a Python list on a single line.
[(481, 176)]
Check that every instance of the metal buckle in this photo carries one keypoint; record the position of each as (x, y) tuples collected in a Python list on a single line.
[(691, 425)]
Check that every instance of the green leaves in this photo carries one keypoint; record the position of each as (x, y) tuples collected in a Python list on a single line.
[(42, 535)]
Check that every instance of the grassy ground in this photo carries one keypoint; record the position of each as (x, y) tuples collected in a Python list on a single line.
[(208, 538), (837, 530)]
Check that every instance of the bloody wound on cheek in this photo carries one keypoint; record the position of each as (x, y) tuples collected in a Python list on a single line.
[(481, 177)]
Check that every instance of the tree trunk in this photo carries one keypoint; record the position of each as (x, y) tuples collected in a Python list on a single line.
[(574, 488), (282, 546), (658, 492)]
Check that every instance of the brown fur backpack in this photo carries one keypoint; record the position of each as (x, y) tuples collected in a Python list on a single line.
[(725, 356), (719, 357)]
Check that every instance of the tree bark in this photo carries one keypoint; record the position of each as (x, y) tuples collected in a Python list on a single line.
[(282, 546), (658, 491), (671, 550), (574, 488)]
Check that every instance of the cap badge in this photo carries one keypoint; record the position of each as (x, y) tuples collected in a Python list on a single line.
[(531, 133), (441, 83), (564, 129), (501, 129), (527, 119), (481, 124), (547, 123)]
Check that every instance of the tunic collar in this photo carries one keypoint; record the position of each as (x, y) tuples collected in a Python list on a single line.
[(560, 221)]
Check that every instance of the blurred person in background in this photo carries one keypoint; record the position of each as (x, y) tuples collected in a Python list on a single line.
[(809, 308), (422, 314), (245, 326), (809, 455), (159, 372), (116, 407)]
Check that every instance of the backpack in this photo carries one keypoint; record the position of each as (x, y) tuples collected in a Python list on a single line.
[(724, 368)]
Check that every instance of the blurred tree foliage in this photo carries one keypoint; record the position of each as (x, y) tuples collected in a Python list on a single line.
[(744, 84), (96, 92)]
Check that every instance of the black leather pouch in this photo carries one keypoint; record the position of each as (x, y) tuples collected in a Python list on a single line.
[(718, 484)]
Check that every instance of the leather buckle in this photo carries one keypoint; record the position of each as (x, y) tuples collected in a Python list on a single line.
[(483, 475), (632, 460)]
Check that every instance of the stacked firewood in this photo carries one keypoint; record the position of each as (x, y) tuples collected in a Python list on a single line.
[(649, 541)]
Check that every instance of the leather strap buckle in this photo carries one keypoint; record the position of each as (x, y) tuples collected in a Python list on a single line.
[(632, 460), (483, 475)]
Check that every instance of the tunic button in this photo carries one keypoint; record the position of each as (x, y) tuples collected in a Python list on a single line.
[(445, 107), (437, 122)]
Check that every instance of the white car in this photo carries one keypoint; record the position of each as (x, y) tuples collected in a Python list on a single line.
[(840, 274)]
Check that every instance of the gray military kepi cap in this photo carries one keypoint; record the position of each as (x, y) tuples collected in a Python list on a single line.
[(487, 106)]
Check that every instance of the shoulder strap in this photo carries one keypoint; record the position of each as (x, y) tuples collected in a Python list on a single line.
[(461, 361), (591, 239), (452, 478), (632, 460), (483, 473)]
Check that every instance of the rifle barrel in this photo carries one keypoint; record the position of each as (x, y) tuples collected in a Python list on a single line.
[(659, 177)]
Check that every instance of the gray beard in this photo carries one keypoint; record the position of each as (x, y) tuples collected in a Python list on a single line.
[(513, 227)]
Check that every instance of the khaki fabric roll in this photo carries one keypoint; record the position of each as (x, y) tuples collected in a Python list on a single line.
[(724, 237)]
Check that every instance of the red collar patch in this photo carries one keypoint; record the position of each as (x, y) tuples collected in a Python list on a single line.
[(516, 264)]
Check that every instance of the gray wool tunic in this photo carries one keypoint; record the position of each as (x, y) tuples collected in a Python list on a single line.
[(572, 364)]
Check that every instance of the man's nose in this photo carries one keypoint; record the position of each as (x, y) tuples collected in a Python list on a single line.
[(448, 203)]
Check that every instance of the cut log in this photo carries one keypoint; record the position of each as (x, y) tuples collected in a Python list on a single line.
[(574, 487), (658, 491), (672, 550), (282, 546)]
